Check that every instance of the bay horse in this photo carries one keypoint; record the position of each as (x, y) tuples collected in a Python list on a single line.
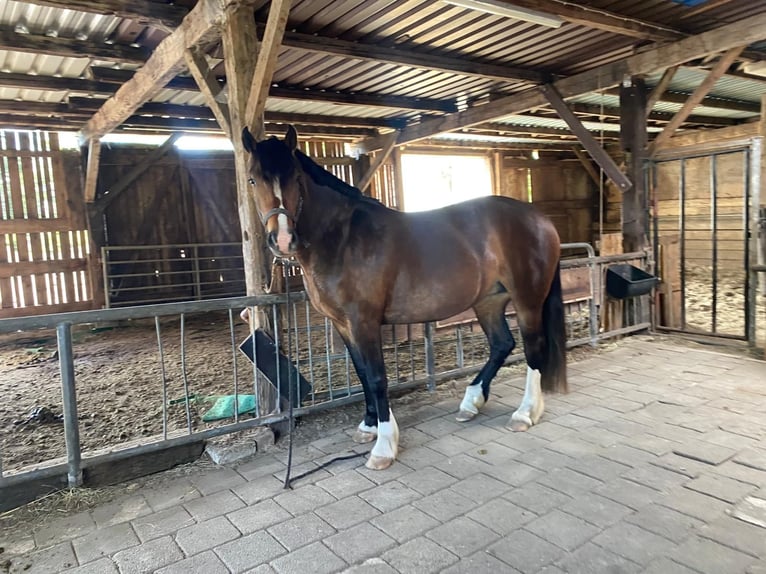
[(366, 265)]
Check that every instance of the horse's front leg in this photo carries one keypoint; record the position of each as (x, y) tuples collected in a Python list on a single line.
[(366, 350), (367, 431)]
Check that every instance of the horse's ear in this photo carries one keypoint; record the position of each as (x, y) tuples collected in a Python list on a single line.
[(291, 138), (248, 141)]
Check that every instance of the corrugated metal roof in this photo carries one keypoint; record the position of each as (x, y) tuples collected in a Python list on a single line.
[(425, 26)]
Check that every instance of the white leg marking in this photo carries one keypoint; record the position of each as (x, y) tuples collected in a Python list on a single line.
[(364, 433), (531, 408), (472, 402), (364, 428), (387, 446)]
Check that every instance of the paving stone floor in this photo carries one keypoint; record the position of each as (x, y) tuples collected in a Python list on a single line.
[(655, 463)]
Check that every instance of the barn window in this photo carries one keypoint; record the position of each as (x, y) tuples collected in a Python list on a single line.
[(432, 181)]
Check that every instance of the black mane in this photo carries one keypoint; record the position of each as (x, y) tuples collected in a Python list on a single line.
[(323, 177)]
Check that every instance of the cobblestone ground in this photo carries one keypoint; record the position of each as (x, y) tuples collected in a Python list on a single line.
[(655, 462)]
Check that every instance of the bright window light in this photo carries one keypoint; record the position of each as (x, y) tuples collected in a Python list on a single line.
[(432, 181)]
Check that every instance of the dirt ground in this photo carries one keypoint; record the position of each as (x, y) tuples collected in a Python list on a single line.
[(119, 378)]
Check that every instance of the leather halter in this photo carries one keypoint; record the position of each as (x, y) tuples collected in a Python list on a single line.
[(282, 211)]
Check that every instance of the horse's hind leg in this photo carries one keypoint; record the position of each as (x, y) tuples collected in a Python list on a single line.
[(490, 312), (532, 405)]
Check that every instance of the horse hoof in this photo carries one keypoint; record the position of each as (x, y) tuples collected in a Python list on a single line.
[(519, 426), (362, 437), (464, 416), (379, 462)]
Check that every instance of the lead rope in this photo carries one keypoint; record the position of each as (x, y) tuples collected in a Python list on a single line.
[(291, 419)]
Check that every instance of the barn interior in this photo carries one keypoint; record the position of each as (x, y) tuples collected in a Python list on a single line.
[(636, 126)]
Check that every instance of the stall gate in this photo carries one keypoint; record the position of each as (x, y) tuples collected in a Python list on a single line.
[(705, 202)]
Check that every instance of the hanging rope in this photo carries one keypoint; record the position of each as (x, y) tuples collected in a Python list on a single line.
[(290, 413)]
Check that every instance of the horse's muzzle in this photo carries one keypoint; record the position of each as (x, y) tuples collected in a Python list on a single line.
[(282, 244)]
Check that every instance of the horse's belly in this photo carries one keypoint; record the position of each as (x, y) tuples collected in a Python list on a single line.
[(432, 303)]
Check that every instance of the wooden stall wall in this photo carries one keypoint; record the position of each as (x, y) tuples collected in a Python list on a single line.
[(46, 257), (560, 188)]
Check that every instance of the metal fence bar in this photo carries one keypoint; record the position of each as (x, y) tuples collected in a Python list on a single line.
[(428, 334), (164, 379), (69, 405)]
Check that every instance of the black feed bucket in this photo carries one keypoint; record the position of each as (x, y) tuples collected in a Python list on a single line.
[(623, 281)]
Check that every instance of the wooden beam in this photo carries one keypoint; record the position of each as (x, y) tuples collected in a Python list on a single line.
[(709, 102), (119, 187), (210, 88), (293, 92), (91, 170), (72, 48), (200, 26), (266, 63), (660, 88), (408, 57), (610, 112), (602, 20), (586, 139), (749, 30), (146, 12), (588, 166), (699, 94), (363, 99), (379, 160)]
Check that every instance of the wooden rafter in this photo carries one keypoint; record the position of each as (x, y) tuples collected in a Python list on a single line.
[(656, 93), (210, 88), (601, 20), (699, 94), (72, 48), (142, 11), (408, 57), (267, 61), (200, 26), (379, 160), (718, 103), (586, 139), (91, 169), (283, 91), (725, 37)]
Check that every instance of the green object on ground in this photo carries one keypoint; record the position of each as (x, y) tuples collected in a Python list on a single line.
[(223, 408)]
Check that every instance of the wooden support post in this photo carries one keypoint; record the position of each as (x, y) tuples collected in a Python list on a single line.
[(586, 139), (378, 161), (266, 62), (634, 200), (240, 46)]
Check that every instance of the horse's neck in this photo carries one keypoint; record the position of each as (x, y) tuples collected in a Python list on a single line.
[(324, 212)]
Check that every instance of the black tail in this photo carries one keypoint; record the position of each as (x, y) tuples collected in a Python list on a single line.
[(554, 370)]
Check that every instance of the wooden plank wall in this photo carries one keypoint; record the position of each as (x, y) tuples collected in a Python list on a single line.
[(46, 259), (560, 188)]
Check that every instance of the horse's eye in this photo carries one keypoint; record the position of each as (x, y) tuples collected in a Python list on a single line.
[(251, 181)]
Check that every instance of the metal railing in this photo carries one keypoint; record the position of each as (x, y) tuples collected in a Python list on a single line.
[(416, 356), (145, 274)]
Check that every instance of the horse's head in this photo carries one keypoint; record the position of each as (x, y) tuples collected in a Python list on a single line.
[(275, 180)]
